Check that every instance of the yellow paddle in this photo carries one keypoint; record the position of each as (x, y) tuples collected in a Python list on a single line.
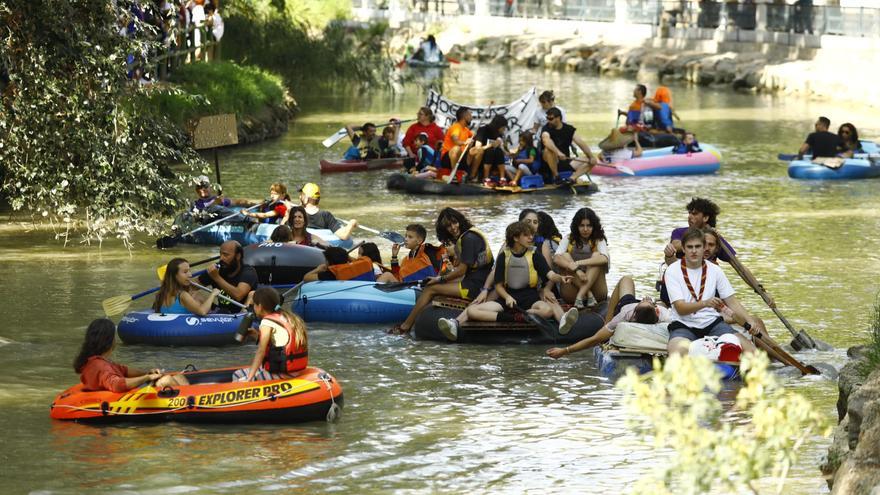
[(160, 272)]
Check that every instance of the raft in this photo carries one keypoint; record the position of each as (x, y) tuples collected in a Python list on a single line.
[(415, 185), (860, 166), (421, 64), (151, 328), (661, 161), (352, 301), (329, 167), (636, 345), (211, 397), (248, 233), (280, 263), (499, 333)]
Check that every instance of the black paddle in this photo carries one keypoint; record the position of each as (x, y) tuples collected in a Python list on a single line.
[(548, 329), (396, 286)]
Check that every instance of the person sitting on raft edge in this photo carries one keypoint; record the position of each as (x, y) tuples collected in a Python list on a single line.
[(282, 343), (338, 266), (557, 138), (423, 261), (97, 372), (231, 276), (365, 146), (177, 295), (521, 276), (309, 197), (468, 278)]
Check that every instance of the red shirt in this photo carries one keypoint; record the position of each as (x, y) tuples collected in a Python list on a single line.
[(100, 374), (434, 132)]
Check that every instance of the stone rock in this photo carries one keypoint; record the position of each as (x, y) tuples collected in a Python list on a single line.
[(848, 381), (859, 463)]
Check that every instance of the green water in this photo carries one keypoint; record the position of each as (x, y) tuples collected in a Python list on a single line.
[(423, 416)]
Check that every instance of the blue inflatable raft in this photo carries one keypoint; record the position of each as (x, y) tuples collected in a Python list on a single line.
[(860, 166), (613, 362), (250, 233), (148, 327), (352, 301)]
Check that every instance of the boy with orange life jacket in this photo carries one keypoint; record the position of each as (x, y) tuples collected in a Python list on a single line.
[(340, 267), (282, 345), (423, 261)]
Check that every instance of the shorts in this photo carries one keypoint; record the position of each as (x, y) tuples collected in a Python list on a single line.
[(715, 329), (469, 286), (564, 166), (626, 299), (444, 161), (525, 298)]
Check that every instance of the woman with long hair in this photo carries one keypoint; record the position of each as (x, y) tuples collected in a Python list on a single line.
[(425, 117), (97, 372), (584, 253), (282, 343), (382, 273), (298, 221), (177, 295), (849, 136)]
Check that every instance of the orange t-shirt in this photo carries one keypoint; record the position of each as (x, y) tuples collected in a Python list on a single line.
[(458, 130)]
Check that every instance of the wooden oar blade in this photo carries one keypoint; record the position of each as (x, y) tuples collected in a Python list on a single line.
[(116, 305)]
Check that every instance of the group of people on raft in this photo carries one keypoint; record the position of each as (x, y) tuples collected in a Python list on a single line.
[(546, 149), (822, 143)]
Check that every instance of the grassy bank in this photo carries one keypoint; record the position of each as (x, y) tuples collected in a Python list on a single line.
[(872, 349), (215, 88)]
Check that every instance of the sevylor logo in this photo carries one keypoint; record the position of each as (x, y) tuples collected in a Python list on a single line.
[(128, 319), (195, 321)]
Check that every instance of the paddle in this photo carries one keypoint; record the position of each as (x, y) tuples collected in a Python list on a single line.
[(341, 133), (623, 168), (786, 157), (221, 296), (548, 329), (169, 241), (453, 60), (161, 270), (463, 153), (396, 286), (766, 343), (801, 339), (117, 305), (394, 237)]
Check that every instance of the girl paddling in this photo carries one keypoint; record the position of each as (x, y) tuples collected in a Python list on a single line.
[(177, 295)]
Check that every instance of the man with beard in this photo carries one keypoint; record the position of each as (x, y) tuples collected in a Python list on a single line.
[(232, 277)]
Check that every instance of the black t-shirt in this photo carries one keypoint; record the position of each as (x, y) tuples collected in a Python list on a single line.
[(486, 134), (324, 220), (824, 143), (562, 138), (247, 274), (473, 249), (328, 275), (538, 262)]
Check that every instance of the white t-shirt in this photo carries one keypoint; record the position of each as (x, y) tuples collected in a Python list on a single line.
[(601, 248), (619, 155), (716, 281), (626, 314)]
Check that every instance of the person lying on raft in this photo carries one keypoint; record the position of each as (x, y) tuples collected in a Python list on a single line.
[(178, 296), (584, 253), (339, 266), (615, 147), (298, 222), (282, 343), (423, 260), (422, 165), (309, 197), (468, 278), (97, 372), (702, 213), (520, 273), (696, 309), (276, 209), (626, 308), (557, 138), (380, 271), (364, 146), (234, 279)]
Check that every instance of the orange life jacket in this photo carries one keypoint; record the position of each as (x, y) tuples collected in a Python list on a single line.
[(359, 269), (287, 359), (421, 266)]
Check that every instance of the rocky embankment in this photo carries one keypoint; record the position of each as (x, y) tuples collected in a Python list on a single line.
[(853, 462), (270, 122), (752, 70)]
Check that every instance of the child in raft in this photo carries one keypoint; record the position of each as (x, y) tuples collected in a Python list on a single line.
[(424, 160), (97, 372), (177, 295), (383, 274), (520, 273), (687, 145), (584, 253), (339, 266), (524, 158), (388, 145), (282, 343), (424, 260), (276, 209)]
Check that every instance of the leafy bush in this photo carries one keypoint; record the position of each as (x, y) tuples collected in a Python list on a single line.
[(70, 147), (872, 350), (678, 407), (212, 88)]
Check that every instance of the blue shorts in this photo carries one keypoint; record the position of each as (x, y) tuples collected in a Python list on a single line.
[(624, 300), (715, 329)]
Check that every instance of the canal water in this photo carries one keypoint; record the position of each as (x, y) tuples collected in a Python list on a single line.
[(424, 416)]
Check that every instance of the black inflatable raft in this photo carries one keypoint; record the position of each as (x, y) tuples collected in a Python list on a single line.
[(415, 185), (279, 263)]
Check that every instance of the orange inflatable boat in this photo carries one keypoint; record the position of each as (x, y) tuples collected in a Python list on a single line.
[(211, 397)]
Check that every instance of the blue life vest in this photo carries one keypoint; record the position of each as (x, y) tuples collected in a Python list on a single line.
[(663, 117)]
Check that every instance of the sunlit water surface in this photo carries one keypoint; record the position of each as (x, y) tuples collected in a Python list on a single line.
[(424, 416)]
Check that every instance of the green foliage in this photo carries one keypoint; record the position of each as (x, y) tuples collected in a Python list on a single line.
[(70, 148), (872, 350), (213, 88), (283, 37), (677, 406)]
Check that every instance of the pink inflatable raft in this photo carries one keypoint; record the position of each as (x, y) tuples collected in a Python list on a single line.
[(661, 161)]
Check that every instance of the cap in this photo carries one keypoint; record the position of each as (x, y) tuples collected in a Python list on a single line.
[(311, 190), (202, 181)]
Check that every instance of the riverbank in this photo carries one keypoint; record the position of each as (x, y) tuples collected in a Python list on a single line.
[(603, 48), (259, 99)]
